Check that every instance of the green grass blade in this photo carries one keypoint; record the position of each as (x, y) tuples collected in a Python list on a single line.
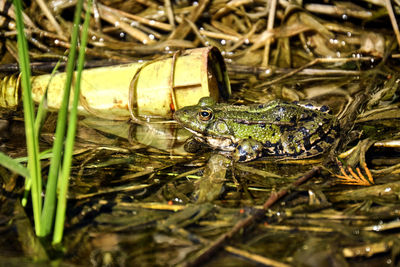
[(41, 114), (43, 107), (39, 121), (69, 144), (51, 187), (40, 117), (31, 140), (45, 154), (13, 165)]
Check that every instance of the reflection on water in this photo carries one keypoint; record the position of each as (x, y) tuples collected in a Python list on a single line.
[(164, 135)]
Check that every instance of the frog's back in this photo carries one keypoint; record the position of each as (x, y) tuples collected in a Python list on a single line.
[(284, 129), (274, 112)]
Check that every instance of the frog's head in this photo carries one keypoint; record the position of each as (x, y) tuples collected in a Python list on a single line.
[(201, 118)]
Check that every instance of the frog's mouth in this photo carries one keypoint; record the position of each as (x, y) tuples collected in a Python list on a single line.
[(225, 143)]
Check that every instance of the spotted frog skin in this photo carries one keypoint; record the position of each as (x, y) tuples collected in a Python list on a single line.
[(278, 128)]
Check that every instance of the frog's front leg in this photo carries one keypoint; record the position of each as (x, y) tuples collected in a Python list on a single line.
[(247, 149), (192, 145)]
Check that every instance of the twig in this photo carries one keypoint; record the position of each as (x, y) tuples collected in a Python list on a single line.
[(219, 35), (216, 245), (305, 66), (256, 258), (139, 19), (367, 250), (50, 17), (338, 11), (183, 29), (196, 32), (293, 72), (393, 20), (170, 12), (231, 5), (246, 37), (270, 26), (115, 19)]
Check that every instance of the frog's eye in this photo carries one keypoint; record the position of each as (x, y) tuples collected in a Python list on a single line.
[(205, 115)]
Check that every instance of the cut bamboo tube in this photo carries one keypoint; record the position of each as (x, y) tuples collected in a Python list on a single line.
[(157, 88)]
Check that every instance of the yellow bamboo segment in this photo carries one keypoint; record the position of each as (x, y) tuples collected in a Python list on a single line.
[(105, 91)]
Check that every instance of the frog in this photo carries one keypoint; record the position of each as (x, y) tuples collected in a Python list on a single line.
[(279, 128)]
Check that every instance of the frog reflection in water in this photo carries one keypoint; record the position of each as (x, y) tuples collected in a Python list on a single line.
[(278, 128)]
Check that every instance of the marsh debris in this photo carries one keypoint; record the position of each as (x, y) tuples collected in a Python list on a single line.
[(138, 201)]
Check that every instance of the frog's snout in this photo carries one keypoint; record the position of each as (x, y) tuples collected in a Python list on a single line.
[(174, 116), (179, 114)]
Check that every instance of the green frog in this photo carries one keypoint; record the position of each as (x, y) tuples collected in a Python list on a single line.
[(278, 128)]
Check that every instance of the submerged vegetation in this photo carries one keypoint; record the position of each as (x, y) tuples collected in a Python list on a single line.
[(136, 198)]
